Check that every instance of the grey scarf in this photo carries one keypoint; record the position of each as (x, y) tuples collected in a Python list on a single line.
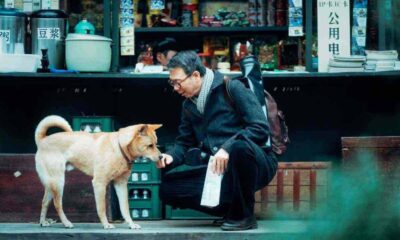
[(205, 89)]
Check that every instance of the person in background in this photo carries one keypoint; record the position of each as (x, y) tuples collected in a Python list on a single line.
[(232, 134), (164, 51)]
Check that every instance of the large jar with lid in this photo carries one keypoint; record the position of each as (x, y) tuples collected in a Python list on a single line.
[(49, 30), (12, 30)]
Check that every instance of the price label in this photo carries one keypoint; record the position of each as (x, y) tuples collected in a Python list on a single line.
[(5, 35)]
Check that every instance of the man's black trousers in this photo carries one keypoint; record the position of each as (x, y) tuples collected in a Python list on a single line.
[(247, 172)]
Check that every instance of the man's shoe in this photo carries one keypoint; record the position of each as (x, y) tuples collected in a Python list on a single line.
[(238, 225), (218, 222)]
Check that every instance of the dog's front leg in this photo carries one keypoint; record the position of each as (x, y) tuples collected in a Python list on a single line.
[(99, 188), (121, 189)]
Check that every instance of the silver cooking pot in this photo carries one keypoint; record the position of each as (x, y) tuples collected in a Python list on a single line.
[(12, 30)]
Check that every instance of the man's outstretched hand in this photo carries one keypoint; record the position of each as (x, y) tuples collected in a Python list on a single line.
[(164, 161)]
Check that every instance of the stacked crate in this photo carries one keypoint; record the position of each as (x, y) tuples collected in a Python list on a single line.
[(178, 213), (143, 190), (93, 124)]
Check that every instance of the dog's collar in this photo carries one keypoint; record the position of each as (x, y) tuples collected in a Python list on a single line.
[(124, 154)]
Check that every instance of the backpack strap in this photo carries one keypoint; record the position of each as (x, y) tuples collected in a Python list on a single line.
[(227, 92)]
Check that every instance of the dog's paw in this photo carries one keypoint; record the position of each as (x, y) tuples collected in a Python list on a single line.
[(108, 226), (45, 224), (134, 226), (50, 220), (68, 225)]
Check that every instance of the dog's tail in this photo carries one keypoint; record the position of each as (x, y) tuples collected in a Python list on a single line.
[(48, 122)]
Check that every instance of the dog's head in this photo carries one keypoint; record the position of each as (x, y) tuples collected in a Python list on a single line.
[(139, 141)]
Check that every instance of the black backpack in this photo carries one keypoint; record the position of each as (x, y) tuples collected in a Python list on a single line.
[(276, 118)]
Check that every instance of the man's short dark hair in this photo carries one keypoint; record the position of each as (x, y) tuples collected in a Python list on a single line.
[(188, 61)]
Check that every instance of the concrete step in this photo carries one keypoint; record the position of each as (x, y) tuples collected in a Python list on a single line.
[(165, 230)]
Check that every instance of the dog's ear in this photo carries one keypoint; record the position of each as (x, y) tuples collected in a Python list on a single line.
[(154, 126), (126, 135), (142, 129)]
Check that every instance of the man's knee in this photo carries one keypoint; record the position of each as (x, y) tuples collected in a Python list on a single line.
[(239, 146), (241, 151)]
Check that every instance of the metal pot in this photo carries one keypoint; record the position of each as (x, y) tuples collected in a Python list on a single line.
[(88, 53), (12, 30), (49, 29)]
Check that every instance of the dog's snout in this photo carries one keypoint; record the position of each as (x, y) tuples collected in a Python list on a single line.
[(160, 157)]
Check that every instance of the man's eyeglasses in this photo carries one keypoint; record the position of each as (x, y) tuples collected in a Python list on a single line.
[(177, 82)]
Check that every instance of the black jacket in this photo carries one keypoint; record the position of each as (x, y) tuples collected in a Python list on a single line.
[(221, 123)]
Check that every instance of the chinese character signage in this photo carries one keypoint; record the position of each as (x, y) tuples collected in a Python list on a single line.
[(333, 31), (49, 33)]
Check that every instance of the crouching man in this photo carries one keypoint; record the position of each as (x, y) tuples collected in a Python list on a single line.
[(232, 134)]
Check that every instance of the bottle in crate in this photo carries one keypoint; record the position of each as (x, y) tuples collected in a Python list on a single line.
[(144, 202), (145, 171), (93, 124)]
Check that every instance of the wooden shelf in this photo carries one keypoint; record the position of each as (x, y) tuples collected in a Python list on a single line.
[(202, 30), (4, 76), (159, 79)]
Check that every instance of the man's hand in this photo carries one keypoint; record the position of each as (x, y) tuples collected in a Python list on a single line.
[(164, 161), (220, 162)]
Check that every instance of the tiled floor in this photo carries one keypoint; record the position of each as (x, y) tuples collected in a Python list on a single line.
[(167, 229)]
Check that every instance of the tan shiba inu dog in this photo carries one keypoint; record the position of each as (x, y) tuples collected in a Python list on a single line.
[(105, 156)]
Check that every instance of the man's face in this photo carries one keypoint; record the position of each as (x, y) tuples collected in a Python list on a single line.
[(184, 84), (163, 58)]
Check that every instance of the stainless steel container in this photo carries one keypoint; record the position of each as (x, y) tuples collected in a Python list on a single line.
[(12, 31), (49, 29)]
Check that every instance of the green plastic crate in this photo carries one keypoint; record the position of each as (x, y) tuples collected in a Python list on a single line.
[(93, 124), (144, 206), (144, 171), (177, 213)]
